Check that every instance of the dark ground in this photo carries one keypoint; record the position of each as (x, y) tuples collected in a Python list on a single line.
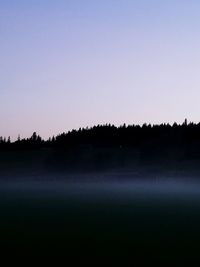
[(101, 225)]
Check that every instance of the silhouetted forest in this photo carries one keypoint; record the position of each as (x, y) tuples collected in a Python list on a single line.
[(133, 148)]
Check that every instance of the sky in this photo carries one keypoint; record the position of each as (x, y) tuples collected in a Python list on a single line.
[(66, 64)]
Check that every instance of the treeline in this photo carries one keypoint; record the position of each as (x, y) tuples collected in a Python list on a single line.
[(147, 135), (139, 149)]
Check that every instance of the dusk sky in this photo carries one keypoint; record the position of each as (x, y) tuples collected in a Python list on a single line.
[(74, 63)]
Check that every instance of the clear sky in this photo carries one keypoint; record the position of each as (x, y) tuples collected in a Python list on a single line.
[(74, 63)]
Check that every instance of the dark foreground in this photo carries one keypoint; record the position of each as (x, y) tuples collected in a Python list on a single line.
[(126, 224)]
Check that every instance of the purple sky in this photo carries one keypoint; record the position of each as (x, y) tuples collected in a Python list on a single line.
[(74, 63)]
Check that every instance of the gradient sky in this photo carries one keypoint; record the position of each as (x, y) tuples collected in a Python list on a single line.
[(73, 63)]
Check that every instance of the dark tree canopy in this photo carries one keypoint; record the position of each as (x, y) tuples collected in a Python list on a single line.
[(132, 136)]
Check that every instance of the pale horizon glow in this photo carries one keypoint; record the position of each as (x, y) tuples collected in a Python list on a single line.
[(67, 64)]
